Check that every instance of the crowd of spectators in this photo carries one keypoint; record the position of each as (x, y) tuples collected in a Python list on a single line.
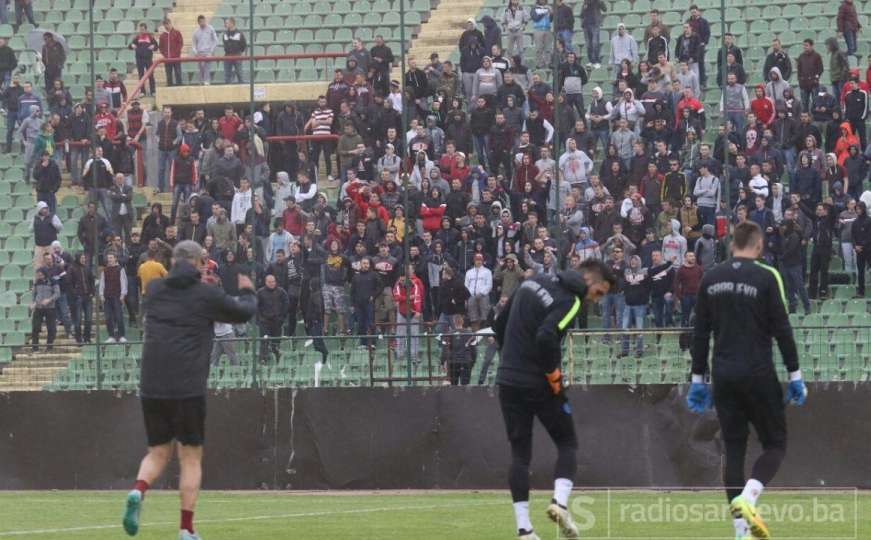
[(497, 176)]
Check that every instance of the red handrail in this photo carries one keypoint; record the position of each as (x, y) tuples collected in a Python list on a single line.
[(150, 71)]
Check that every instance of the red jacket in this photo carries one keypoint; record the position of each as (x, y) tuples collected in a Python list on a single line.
[(399, 290), (432, 217), (171, 43), (293, 221), (763, 108), (363, 205), (106, 120), (692, 104)]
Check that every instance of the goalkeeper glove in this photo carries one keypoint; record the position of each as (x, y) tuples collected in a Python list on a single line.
[(555, 380), (699, 396), (796, 392)]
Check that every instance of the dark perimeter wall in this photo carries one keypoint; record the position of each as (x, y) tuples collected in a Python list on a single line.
[(361, 438)]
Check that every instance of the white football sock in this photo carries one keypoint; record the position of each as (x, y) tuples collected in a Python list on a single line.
[(741, 528), (562, 487), (521, 516), (752, 490)]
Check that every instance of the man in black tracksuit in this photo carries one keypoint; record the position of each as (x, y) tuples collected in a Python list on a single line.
[(271, 310), (821, 253), (529, 331), (742, 302), (180, 312)]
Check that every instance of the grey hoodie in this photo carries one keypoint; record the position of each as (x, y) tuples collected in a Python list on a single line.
[(487, 81), (674, 246), (285, 190), (707, 191), (706, 248), (45, 290), (774, 89)]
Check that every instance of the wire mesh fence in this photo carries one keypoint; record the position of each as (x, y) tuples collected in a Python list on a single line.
[(658, 356)]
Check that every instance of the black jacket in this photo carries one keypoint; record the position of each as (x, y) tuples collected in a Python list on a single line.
[(180, 312), (365, 286), (744, 305), (452, 297), (47, 177), (530, 329), (272, 304)]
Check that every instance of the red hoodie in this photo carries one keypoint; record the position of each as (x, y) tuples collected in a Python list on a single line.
[(842, 147), (399, 297)]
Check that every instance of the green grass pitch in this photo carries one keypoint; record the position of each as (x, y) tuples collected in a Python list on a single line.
[(422, 515)]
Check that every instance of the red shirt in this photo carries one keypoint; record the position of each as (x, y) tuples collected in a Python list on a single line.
[(229, 126), (106, 120), (763, 108), (293, 221)]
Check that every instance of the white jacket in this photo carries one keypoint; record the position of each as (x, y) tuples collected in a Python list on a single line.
[(479, 281), (242, 202)]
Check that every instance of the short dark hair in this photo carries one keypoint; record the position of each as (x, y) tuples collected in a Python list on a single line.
[(809, 41), (599, 268), (745, 234)]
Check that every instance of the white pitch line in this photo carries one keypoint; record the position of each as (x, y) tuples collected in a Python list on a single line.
[(33, 532)]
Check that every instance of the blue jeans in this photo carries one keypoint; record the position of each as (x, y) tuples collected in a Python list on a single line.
[(707, 214), (164, 162), (81, 308), (738, 120), (11, 124), (231, 67), (850, 39), (612, 304), (132, 298), (807, 97), (687, 304), (566, 37), (604, 136), (25, 10), (180, 191), (114, 313), (4, 13), (63, 313), (481, 149), (662, 311), (637, 314), (591, 35), (576, 101), (49, 198), (795, 284), (837, 86), (365, 321)]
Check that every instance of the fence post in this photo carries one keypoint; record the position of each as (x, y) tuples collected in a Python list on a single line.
[(571, 357)]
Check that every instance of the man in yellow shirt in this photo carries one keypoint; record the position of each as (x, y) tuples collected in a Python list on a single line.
[(149, 270)]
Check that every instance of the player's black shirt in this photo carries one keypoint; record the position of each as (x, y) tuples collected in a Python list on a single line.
[(531, 327), (742, 302)]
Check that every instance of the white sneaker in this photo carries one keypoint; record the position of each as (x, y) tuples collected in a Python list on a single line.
[(308, 343), (562, 517), (184, 535), (110, 340), (597, 66), (589, 64), (122, 340), (528, 536), (207, 83)]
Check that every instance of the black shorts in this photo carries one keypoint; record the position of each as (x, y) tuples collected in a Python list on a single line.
[(756, 400), (181, 419), (520, 406)]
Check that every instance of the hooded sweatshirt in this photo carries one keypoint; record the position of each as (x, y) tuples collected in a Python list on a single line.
[(775, 87), (706, 248), (674, 246)]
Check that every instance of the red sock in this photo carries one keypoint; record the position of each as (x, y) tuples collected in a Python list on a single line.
[(187, 520), (142, 486)]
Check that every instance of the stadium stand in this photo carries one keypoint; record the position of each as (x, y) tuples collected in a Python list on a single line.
[(834, 337)]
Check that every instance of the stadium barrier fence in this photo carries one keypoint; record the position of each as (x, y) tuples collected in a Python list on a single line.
[(591, 357)]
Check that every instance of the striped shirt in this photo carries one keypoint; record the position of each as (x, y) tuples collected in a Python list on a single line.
[(322, 121)]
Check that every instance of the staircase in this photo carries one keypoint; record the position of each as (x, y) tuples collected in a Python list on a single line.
[(32, 371), (441, 33), (184, 19)]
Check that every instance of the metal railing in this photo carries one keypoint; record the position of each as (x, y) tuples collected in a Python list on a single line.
[(590, 357)]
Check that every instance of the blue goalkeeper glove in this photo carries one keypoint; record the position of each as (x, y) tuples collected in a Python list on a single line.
[(796, 392), (699, 397)]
